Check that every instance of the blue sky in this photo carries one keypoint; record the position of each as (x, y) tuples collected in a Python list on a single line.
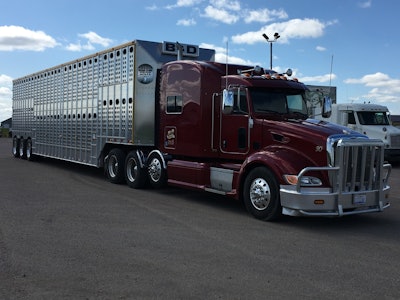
[(357, 39)]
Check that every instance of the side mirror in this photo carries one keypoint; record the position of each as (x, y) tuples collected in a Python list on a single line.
[(326, 107), (227, 101)]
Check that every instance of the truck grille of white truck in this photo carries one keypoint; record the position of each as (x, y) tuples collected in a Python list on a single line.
[(395, 141)]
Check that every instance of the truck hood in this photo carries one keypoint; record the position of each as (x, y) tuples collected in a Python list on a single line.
[(310, 129), (296, 144), (389, 134), (378, 131), (302, 140)]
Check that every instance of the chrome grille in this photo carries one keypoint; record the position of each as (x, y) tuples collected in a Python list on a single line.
[(395, 141), (361, 165)]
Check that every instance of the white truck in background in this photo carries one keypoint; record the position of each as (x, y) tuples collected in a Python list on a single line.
[(370, 119)]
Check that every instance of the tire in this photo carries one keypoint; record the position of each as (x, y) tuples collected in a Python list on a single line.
[(28, 153), (22, 148), (115, 165), (135, 174), (15, 147), (156, 171), (261, 194)]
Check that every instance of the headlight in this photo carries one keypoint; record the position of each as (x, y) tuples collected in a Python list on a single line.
[(304, 180)]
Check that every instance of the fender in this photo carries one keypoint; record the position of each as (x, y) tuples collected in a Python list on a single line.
[(280, 160), (161, 157)]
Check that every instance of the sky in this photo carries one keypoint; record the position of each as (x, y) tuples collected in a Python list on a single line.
[(350, 44)]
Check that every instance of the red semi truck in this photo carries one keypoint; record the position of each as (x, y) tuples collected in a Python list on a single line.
[(151, 120)]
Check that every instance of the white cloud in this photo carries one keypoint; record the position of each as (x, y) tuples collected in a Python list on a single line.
[(320, 48), (264, 15), (19, 38), (92, 39), (295, 28), (383, 87), (79, 47), (365, 4), (226, 4), (221, 57), (5, 97), (221, 15), (225, 11), (230, 11), (5, 80), (186, 22), (151, 7), (183, 3), (319, 78)]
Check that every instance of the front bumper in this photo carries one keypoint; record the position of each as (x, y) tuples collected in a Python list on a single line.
[(327, 202), (334, 204)]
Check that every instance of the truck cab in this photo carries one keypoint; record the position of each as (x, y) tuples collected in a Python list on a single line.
[(372, 120), (244, 132)]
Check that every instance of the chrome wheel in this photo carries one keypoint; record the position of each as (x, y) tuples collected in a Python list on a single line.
[(155, 170), (260, 194)]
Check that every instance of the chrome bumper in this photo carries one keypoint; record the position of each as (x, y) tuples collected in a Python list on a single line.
[(329, 202)]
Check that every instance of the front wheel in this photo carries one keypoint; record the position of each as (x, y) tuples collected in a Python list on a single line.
[(261, 194)]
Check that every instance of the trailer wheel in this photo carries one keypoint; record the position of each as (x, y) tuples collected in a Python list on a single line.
[(261, 194), (156, 171), (22, 148), (115, 166), (15, 147), (28, 153), (135, 175)]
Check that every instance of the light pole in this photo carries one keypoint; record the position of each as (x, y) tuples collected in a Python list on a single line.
[(276, 36)]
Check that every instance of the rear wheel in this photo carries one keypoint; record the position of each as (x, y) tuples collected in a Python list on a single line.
[(261, 194), (115, 166), (15, 147), (28, 152), (22, 148), (135, 174), (156, 171)]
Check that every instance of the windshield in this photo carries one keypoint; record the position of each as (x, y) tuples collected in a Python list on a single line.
[(279, 102), (373, 118)]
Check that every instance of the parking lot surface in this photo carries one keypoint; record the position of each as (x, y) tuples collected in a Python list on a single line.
[(66, 233)]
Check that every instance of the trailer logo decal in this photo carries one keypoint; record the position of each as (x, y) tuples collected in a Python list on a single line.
[(145, 74), (187, 50)]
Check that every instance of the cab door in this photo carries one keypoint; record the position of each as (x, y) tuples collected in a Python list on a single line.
[(234, 122)]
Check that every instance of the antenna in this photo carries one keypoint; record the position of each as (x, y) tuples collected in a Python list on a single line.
[(180, 50), (330, 75), (226, 65)]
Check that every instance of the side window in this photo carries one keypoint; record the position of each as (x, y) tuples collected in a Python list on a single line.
[(240, 102), (174, 104), (350, 118)]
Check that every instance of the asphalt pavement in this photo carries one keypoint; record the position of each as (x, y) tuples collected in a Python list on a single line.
[(66, 233)]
